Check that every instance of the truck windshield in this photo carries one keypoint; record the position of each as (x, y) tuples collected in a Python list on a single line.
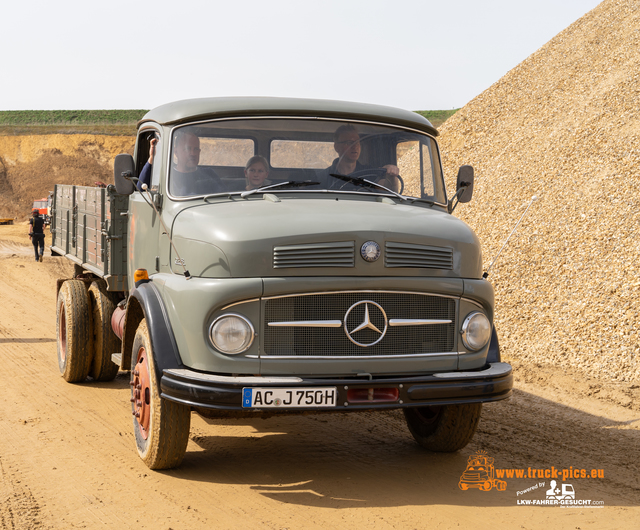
[(235, 156)]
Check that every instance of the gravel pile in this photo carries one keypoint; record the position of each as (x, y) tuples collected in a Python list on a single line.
[(563, 125)]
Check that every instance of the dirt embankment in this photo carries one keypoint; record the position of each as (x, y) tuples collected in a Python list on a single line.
[(31, 165), (562, 125)]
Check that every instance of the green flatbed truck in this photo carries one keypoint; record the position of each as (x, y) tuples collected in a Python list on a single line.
[(337, 281)]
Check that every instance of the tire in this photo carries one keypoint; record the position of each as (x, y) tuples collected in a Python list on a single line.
[(105, 341), (445, 428), (74, 331), (161, 427)]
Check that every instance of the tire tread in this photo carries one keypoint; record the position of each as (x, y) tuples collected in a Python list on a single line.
[(167, 442), (454, 430), (73, 299), (105, 341)]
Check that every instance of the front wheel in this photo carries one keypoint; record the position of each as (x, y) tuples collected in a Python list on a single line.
[(445, 428), (161, 427)]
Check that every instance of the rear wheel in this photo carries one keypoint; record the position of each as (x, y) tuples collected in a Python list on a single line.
[(445, 428), (74, 333), (105, 341), (161, 427)]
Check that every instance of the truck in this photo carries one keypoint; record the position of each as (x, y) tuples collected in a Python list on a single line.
[(43, 206), (338, 281), (480, 473)]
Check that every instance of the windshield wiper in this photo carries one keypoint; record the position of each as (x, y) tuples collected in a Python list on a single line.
[(367, 184), (290, 183)]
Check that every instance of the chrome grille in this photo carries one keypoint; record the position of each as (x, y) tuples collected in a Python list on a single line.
[(340, 254), (420, 256), (332, 341)]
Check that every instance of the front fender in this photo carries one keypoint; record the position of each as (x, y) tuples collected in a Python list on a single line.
[(145, 302)]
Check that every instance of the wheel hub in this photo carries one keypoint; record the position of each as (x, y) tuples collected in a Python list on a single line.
[(141, 392)]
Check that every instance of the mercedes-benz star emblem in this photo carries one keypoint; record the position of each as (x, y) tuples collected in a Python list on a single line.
[(368, 328), (370, 251)]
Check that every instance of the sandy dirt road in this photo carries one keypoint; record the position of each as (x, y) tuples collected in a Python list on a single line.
[(68, 460)]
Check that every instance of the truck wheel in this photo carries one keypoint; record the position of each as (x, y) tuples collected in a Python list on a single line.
[(73, 324), (445, 428), (105, 341), (486, 485), (161, 427)]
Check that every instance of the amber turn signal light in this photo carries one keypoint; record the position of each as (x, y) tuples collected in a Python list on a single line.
[(140, 274)]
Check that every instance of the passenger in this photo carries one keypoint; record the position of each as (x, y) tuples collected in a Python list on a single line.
[(187, 177), (346, 142), (256, 172)]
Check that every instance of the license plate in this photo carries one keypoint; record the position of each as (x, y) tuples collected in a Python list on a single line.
[(263, 398)]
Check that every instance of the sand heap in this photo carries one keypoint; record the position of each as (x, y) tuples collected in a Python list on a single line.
[(564, 125), (31, 165)]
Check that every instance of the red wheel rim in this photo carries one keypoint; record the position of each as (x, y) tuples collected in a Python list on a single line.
[(62, 333), (141, 393)]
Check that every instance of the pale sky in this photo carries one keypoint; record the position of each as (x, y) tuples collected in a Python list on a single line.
[(127, 54)]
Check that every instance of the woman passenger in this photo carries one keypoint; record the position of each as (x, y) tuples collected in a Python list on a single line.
[(256, 172)]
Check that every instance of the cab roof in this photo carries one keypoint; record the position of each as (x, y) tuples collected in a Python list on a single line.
[(188, 110)]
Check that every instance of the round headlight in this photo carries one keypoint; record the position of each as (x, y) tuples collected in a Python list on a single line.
[(476, 331), (231, 334)]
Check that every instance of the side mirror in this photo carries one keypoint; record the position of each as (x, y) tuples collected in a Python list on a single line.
[(124, 167), (465, 183)]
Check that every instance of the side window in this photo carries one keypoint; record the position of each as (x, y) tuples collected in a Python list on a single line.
[(437, 180), (419, 167), (157, 164), (408, 157), (427, 162), (144, 141)]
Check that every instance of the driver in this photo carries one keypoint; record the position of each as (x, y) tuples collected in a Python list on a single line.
[(346, 142), (187, 177)]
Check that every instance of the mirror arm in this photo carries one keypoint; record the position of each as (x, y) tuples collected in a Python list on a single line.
[(461, 190)]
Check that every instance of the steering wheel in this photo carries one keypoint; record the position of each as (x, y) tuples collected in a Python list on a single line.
[(376, 173)]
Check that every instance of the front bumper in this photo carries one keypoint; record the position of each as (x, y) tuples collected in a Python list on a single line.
[(224, 393)]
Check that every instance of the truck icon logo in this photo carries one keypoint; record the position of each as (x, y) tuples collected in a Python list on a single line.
[(373, 314), (480, 473), (555, 493)]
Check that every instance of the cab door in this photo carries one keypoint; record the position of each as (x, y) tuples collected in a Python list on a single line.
[(144, 226)]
